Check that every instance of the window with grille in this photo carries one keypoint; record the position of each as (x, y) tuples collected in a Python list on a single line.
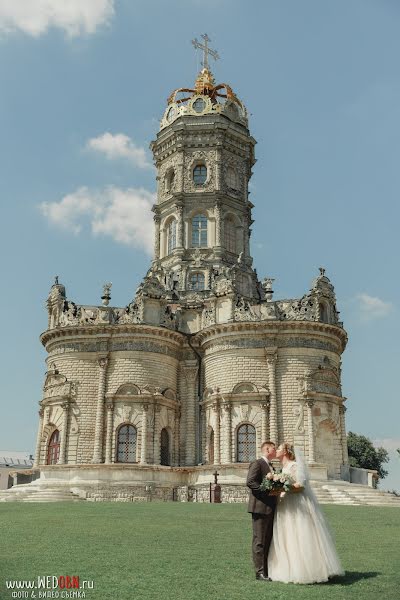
[(126, 444), (199, 231), (246, 443), (171, 235), (164, 449), (200, 174), (230, 235), (53, 450), (197, 281)]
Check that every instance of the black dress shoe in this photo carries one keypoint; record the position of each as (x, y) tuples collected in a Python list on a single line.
[(262, 577)]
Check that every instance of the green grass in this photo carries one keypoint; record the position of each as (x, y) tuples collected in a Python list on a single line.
[(185, 551)]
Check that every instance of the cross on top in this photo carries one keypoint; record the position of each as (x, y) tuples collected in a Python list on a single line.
[(215, 476), (206, 50)]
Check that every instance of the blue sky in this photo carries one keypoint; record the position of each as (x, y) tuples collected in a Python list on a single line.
[(82, 92)]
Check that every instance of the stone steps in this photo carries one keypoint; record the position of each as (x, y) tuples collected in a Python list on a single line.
[(340, 492), (25, 493)]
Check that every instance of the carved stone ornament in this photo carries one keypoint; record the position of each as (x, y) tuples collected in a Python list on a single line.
[(244, 311), (245, 410)]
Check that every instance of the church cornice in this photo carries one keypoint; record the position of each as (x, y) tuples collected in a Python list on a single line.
[(213, 333), (108, 332)]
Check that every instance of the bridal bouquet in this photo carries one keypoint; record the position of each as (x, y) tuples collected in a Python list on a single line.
[(277, 483)]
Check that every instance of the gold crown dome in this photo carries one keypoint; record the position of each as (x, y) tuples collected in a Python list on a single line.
[(205, 97)]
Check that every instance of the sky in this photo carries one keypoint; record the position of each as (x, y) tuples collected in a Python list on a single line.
[(83, 88)]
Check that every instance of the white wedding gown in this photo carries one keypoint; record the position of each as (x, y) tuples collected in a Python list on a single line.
[(302, 549)]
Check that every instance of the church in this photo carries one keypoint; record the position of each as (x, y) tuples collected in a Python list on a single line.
[(203, 364)]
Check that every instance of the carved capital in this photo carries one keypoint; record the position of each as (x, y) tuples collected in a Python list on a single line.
[(215, 407), (271, 357), (65, 406), (227, 406), (103, 362), (309, 402), (265, 405), (110, 406), (145, 407)]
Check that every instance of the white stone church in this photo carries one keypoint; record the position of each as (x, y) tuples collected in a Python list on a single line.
[(203, 364)]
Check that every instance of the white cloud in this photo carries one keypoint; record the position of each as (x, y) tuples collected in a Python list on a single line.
[(123, 215), (391, 444), (119, 145), (35, 17), (372, 307)]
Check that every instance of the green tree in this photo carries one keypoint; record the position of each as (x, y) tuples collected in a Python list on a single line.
[(363, 454)]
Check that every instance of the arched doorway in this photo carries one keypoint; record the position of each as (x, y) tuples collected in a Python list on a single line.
[(53, 449), (165, 458)]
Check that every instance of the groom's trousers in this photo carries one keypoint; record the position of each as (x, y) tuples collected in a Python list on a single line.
[(262, 536)]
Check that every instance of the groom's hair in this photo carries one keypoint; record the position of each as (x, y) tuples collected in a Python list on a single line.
[(267, 444)]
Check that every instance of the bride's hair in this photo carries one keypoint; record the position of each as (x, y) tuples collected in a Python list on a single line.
[(289, 451)]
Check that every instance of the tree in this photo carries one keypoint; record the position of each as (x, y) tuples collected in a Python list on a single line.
[(363, 454)]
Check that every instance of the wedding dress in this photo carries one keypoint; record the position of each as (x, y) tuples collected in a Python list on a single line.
[(302, 549)]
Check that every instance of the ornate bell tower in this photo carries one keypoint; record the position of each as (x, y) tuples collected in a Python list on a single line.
[(204, 155)]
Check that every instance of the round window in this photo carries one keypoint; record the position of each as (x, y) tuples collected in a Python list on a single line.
[(199, 105), (171, 114)]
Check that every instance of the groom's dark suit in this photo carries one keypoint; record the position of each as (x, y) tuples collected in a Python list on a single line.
[(262, 506)]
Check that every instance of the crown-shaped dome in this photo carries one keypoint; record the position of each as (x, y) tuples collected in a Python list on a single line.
[(204, 98)]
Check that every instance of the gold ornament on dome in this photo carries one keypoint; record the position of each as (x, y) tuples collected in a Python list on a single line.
[(205, 97)]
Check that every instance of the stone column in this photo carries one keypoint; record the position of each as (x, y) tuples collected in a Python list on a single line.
[(204, 450), (343, 436), (64, 434), (109, 432), (227, 444), (156, 237), (156, 446), (217, 212), (217, 435), (177, 437), (143, 450), (273, 425), (98, 434), (39, 439), (179, 233), (265, 435), (310, 423), (190, 369)]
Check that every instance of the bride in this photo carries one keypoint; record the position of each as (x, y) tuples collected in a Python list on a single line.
[(302, 550)]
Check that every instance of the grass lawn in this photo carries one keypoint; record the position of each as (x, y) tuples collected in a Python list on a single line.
[(185, 551)]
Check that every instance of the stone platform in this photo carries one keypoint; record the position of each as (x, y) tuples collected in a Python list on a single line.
[(146, 483)]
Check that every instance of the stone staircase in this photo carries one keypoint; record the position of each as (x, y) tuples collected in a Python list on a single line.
[(341, 492), (30, 492)]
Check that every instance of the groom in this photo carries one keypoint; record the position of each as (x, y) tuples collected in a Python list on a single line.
[(262, 509)]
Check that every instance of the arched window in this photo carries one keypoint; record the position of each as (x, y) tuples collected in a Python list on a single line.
[(199, 231), (197, 281), (169, 180), (323, 313), (246, 443), (200, 174), (231, 178), (164, 449), (126, 444), (53, 449), (230, 234), (171, 235), (211, 448)]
